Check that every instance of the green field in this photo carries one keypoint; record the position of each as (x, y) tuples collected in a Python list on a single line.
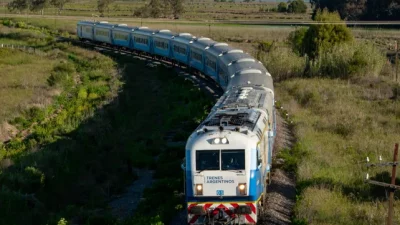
[(193, 10)]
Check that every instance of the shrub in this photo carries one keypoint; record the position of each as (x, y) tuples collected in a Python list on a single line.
[(283, 63), (296, 40), (297, 6), (282, 7), (62, 74), (265, 46)]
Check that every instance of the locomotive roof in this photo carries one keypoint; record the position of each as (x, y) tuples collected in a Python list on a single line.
[(238, 109)]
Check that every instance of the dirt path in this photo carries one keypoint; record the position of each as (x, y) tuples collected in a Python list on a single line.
[(281, 193)]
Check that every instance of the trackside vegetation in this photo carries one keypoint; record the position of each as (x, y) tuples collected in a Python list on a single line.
[(344, 106), (112, 114)]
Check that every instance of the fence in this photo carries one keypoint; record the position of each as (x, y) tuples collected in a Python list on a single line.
[(27, 49)]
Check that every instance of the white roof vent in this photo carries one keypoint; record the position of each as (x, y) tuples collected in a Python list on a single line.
[(245, 60), (203, 39), (164, 31), (122, 25), (221, 44), (143, 28), (235, 51), (103, 22), (250, 71), (184, 34)]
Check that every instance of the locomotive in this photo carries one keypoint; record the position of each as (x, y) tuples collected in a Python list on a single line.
[(228, 157)]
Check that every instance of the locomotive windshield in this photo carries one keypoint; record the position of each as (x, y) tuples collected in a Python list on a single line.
[(207, 160), (210, 160), (232, 160)]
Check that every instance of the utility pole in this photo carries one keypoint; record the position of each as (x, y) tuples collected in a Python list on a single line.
[(396, 59), (393, 187)]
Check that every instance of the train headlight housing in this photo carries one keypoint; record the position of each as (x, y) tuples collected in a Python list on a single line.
[(217, 141), (242, 189), (199, 189)]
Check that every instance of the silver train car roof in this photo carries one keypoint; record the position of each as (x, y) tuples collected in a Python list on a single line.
[(167, 34), (202, 43), (237, 110)]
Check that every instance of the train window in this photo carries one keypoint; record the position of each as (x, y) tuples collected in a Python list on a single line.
[(211, 64), (232, 160), (88, 29), (179, 49), (207, 160), (196, 56), (259, 159), (102, 33), (141, 40), (121, 36), (161, 44)]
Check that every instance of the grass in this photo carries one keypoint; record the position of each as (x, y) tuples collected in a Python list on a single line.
[(23, 84), (339, 123), (193, 10), (82, 148)]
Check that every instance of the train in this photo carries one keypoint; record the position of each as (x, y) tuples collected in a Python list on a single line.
[(228, 157)]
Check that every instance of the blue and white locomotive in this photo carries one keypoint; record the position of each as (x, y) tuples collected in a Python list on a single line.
[(229, 156)]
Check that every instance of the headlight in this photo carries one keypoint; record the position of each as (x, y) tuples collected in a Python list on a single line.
[(242, 189), (199, 189), (224, 140), (217, 141)]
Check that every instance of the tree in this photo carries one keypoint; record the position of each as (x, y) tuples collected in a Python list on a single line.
[(282, 7), (321, 37), (103, 5), (297, 6), (59, 4), (19, 5), (155, 8), (177, 7), (39, 5)]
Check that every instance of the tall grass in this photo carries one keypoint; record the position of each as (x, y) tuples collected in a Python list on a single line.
[(283, 63), (339, 123), (349, 60)]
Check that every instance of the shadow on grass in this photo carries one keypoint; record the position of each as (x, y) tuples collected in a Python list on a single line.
[(76, 175)]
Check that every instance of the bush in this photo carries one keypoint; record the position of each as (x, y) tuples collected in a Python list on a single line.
[(296, 40), (62, 74), (297, 6), (321, 37), (282, 7), (283, 63)]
